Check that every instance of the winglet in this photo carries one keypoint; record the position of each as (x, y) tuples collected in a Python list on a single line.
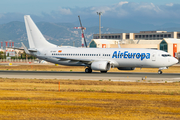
[(25, 49)]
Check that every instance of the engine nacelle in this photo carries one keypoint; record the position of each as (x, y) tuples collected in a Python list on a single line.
[(101, 65), (126, 68)]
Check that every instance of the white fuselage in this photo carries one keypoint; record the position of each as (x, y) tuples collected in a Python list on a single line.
[(118, 57), (101, 59)]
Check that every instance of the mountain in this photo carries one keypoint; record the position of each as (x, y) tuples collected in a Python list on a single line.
[(130, 25), (65, 34), (57, 33), (124, 24)]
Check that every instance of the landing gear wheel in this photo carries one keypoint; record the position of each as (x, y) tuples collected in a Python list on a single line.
[(88, 70), (159, 72), (103, 71)]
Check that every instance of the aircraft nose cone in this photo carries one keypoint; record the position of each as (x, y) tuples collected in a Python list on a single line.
[(175, 61)]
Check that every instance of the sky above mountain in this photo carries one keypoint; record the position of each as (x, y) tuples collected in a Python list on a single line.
[(154, 12), (38, 6)]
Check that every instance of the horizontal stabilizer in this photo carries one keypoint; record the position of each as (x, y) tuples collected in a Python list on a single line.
[(16, 48), (25, 49)]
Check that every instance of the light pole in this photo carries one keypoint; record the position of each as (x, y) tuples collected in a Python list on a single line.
[(73, 43), (99, 13)]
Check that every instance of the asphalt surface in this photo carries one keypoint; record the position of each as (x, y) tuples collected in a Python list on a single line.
[(113, 76)]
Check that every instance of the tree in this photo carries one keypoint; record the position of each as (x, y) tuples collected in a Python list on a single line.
[(26, 56), (1, 55)]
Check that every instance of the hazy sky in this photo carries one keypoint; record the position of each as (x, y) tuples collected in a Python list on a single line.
[(149, 11), (38, 6)]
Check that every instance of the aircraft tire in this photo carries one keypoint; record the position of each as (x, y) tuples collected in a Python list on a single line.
[(103, 71), (88, 70), (159, 72)]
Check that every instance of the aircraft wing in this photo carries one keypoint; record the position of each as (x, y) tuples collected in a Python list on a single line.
[(89, 61)]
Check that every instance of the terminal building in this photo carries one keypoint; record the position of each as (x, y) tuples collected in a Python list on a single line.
[(160, 40), (143, 35)]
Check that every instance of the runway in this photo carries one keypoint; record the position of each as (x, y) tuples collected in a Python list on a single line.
[(113, 76)]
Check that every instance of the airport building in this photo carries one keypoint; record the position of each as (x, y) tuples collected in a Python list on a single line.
[(143, 35), (160, 40)]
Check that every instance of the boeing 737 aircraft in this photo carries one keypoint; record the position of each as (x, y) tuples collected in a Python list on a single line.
[(100, 59)]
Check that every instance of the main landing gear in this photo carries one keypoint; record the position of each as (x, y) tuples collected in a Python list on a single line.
[(159, 72), (103, 71), (88, 70)]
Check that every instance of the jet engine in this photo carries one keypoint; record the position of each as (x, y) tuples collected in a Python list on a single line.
[(101, 65), (126, 68)]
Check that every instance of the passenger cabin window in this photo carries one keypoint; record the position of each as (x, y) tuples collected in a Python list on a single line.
[(68, 54)]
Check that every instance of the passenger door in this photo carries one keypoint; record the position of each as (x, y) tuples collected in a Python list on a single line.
[(154, 57)]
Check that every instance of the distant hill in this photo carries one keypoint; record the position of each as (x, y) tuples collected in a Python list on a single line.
[(130, 25), (57, 33), (65, 34)]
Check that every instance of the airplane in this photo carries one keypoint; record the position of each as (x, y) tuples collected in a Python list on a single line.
[(98, 59)]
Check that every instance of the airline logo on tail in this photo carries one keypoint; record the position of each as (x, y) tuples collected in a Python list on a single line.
[(127, 55)]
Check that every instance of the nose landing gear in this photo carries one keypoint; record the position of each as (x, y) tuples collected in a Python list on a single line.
[(161, 68)]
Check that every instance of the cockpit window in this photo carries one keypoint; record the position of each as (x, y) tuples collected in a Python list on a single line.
[(166, 55)]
